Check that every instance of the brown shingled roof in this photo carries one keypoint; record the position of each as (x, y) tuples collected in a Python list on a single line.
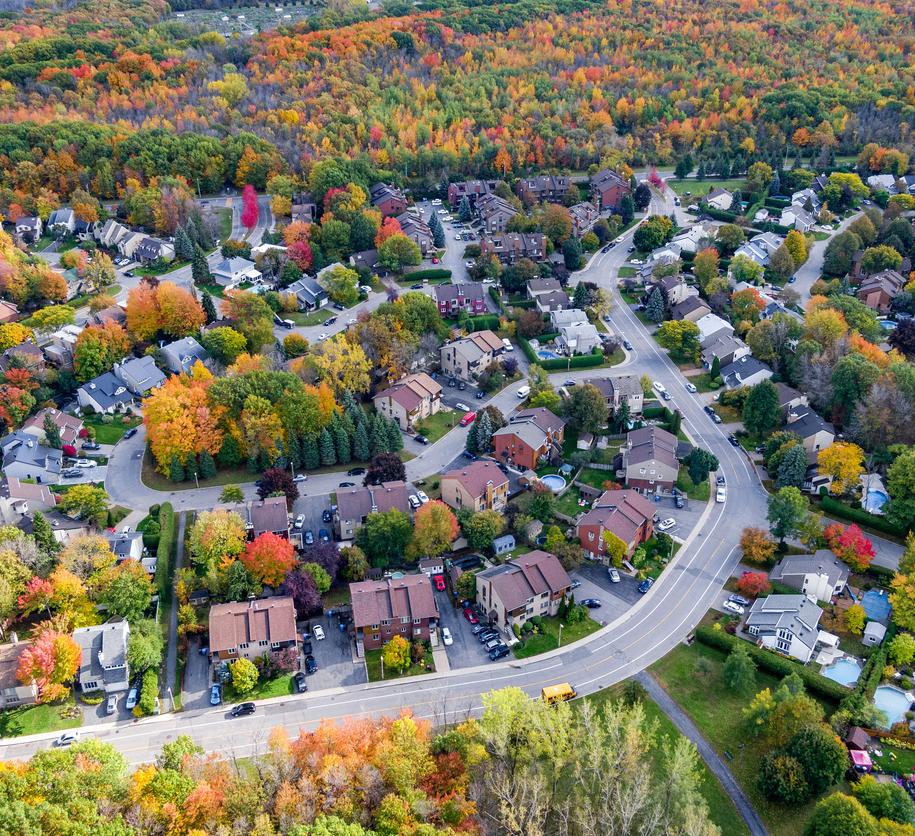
[(406, 597), (620, 511), (476, 475), (526, 576), (266, 619)]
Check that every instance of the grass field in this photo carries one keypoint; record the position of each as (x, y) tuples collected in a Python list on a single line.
[(373, 666), (110, 433), (697, 188), (279, 686), (595, 478), (549, 638), (161, 269), (35, 719), (435, 426)]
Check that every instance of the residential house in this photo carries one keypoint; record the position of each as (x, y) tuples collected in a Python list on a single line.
[(675, 289), (618, 390), (388, 199), (692, 309), (535, 287), (309, 293), (18, 498), (63, 528), (12, 692), (104, 395), (139, 374), (125, 545), (268, 516), (410, 399), (661, 257), (510, 247), (249, 629), (530, 435), (154, 249), (578, 338), (403, 606), (695, 237), (110, 233), (26, 355), (85, 230), (431, 566), (103, 666), (878, 290), (494, 212), (798, 217), (418, 232), (24, 457), (819, 574), (454, 298), (128, 244), (571, 316), (760, 247), (583, 217), (882, 183), (608, 190), (69, 426), (473, 190), (650, 460), (790, 399), (231, 272), (467, 357), (815, 433), (478, 486), (808, 199), (62, 222), (113, 313), (726, 348), (787, 624), (720, 199), (8, 312), (745, 371), (181, 355), (712, 327), (532, 584), (59, 351), (355, 504), (304, 208), (545, 188), (29, 228), (553, 300), (627, 514)]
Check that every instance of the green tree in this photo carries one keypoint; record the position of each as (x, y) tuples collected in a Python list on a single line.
[(699, 464), (396, 654), (200, 269), (320, 576), (787, 510), (51, 432), (384, 537), (586, 409), (654, 306), (86, 501), (397, 252), (355, 565), (327, 449), (43, 534), (206, 302), (902, 649), (184, 247), (841, 815), (145, 646), (901, 487), (822, 756), (792, 470), (240, 583), (739, 671), (207, 465), (839, 253), (781, 778), (881, 257), (542, 505), (438, 231), (224, 344), (128, 592), (244, 675), (342, 284), (884, 800), (761, 411), (482, 528), (743, 269)]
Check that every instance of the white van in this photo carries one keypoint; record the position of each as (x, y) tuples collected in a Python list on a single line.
[(507, 343), (721, 494), (523, 392)]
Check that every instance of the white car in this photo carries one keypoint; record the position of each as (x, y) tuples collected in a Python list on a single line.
[(299, 521), (617, 239), (318, 632), (457, 238), (302, 477), (658, 386), (462, 406), (351, 321), (421, 496), (468, 264), (721, 495), (636, 261), (68, 738), (443, 211), (730, 606), (322, 336), (448, 219), (436, 202), (614, 575), (488, 281), (664, 525), (85, 463), (413, 499), (447, 639), (507, 343), (691, 388)]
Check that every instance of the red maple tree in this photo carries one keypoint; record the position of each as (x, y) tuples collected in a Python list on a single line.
[(250, 211)]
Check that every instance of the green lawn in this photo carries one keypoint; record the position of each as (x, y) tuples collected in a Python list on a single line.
[(628, 273), (279, 686), (302, 319), (895, 760), (113, 432), (703, 382), (437, 425), (568, 503), (225, 222), (35, 719), (716, 711), (700, 492), (629, 298), (549, 638), (595, 478), (727, 413), (213, 289), (155, 480), (373, 666), (162, 269), (721, 809), (698, 188)]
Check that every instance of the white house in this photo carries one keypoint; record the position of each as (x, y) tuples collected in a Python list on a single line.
[(787, 624), (571, 316), (798, 217), (745, 371), (181, 355), (231, 272), (130, 243), (760, 247), (104, 656), (719, 198), (580, 338), (819, 574), (62, 221), (111, 233), (691, 238), (29, 228)]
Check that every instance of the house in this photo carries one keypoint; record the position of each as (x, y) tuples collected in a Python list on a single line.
[(787, 624), (608, 190), (626, 514), (387, 199), (537, 287), (29, 228), (355, 504), (309, 293), (473, 190), (675, 288), (510, 247), (85, 230), (661, 257), (882, 183), (125, 545), (268, 516), (59, 351), (139, 374), (453, 298), (554, 300), (819, 574), (583, 217), (533, 584), (304, 208), (720, 199), (809, 198), (711, 327), (578, 338), (69, 426), (24, 457), (403, 606), (103, 666), (104, 395), (691, 309), (874, 633), (494, 212), (618, 390), (62, 222), (545, 188), (231, 272), (694, 238), (18, 498), (726, 349), (410, 399), (181, 355), (467, 357), (12, 692), (760, 247), (878, 290), (798, 217), (789, 399), (113, 313), (63, 527), (478, 486), (110, 233), (745, 371), (249, 629), (431, 566), (572, 316), (417, 231), (815, 433), (650, 459), (503, 545), (128, 244), (26, 355), (8, 312), (154, 249), (530, 435)]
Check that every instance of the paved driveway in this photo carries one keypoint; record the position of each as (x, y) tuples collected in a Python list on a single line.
[(466, 650), (313, 506), (87, 474), (334, 656), (195, 690), (615, 598)]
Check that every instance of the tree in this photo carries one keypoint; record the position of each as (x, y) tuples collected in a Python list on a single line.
[(301, 586), (843, 461), (98, 348), (881, 257), (641, 196), (680, 338), (901, 486), (850, 545), (397, 252), (385, 467), (384, 537), (781, 778), (225, 344), (482, 528), (754, 584), (252, 316), (269, 558), (217, 537), (761, 411), (543, 504), (250, 210), (792, 469), (840, 251), (530, 323), (275, 481), (244, 675), (902, 649), (343, 365), (739, 671), (200, 269), (822, 756), (884, 800), (743, 269), (841, 814), (854, 619), (86, 501), (793, 712), (434, 529), (571, 254), (355, 565), (556, 223), (654, 232), (705, 267), (46, 320), (585, 408), (615, 548), (699, 464), (127, 590), (787, 509), (145, 645), (342, 285), (438, 231), (396, 654), (627, 208), (903, 600), (320, 576)]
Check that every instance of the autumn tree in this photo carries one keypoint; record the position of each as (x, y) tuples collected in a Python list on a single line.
[(855, 617), (276, 480), (127, 590), (849, 545), (98, 348), (385, 467), (251, 316), (754, 584), (342, 364), (217, 537), (396, 654), (250, 210), (342, 285), (269, 558), (86, 501), (50, 661), (434, 529), (244, 675), (844, 462)]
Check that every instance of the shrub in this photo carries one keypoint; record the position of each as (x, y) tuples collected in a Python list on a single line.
[(93, 697), (483, 323), (430, 274), (149, 690), (165, 548), (858, 515)]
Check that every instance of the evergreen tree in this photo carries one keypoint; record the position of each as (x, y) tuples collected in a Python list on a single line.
[(792, 470), (262, 462), (209, 308), (202, 236), (229, 454), (580, 297), (395, 439), (676, 420), (378, 437), (176, 470), (715, 372), (295, 450), (351, 408), (342, 444), (51, 432), (190, 465), (627, 208), (326, 447), (282, 460), (361, 443), (472, 436), (184, 247), (200, 270), (311, 456), (484, 432), (654, 307), (207, 465), (464, 211), (438, 232), (44, 534)]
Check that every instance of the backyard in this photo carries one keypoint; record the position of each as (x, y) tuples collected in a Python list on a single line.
[(698, 188), (35, 719), (373, 666), (548, 639)]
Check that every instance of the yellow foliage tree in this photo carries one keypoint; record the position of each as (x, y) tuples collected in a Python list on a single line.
[(843, 461)]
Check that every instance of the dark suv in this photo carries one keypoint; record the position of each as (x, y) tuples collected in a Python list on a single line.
[(243, 709)]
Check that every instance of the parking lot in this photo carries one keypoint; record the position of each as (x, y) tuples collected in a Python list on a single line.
[(686, 517), (312, 507), (615, 598), (334, 656), (466, 650)]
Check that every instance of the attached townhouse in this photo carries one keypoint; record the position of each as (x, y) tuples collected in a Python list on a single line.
[(650, 460), (403, 606), (532, 584), (467, 357), (355, 504), (625, 513), (411, 399), (249, 629), (478, 486)]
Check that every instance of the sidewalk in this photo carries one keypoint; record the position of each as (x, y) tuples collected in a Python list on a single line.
[(171, 658)]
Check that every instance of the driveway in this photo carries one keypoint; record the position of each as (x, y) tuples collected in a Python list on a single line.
[(87, 474), (466, 650), (195, 690), (616, 598), (313, 506), (334, 655)]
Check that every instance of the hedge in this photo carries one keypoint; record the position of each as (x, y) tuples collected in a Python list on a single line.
[(148, 693), (579, 361), (718, 214), (496, 297), (774, 664), (859, 515), (431, 273), (777, 202), (483, 322), (165, 549)]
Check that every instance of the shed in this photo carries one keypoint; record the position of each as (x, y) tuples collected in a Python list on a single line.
[(873, 633), (861, 761), (585, 441), (503, 544), (199, 597), (857, 738), (432, 566)]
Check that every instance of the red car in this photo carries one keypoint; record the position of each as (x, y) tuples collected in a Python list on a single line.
[(440, 582), (468, 614), (468, 419)]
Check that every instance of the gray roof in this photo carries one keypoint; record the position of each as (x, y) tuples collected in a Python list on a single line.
[(104, 647), (808, 423), (140, 371), (820, 562), (23, 448), (308, 289), (58, 521), (230, 266), (61, 216), (742, 369), (106, 390), (182, 354), (121, 543), (797, 613)]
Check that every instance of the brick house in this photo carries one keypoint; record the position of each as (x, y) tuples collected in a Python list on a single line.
[(650, 459), (530, 435), (583, 217), (473, 190), (533, 584), (545, 188), (479, 486), (608, 189), (627, 514), (249, 629), (391, 607), (467, 357), (268, 515), (494, 212), (355, 504), (417, 231), (388, 199), (454, 298), (510, 247), (879, 290), (410, 399)]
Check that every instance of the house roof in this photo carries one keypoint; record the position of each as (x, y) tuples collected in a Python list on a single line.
[(246, 622), (528, 575), (269, 514), (526, 431), (69, 425), (553, 299), (541, 416), (106, 390), (103, 646), (183, 354), (743, 369), (451, 292), (123, 543), (806, 423), (308, 288), (712, 324), (410, 391), (9, 662), (889, 281), (356, 503), (652, 443), (786, 394), (384, 191), (605, 178), (621, 511), (625, 385), (721, 347), (797, 613), (821, 562), (475, 476), (571, 316), (22, 448), (535, 286), (875, 629), (15, 489), (57, 521), (142, 371), (687, 306), (407, 597)]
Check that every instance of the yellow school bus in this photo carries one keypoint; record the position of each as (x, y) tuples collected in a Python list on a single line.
[(558, 693)]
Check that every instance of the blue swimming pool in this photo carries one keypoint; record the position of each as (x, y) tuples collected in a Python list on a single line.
[(893, 702), (554, 482), (546, 354), (845, 671), (874, 501)]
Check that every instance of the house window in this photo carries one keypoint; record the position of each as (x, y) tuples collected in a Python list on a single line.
[(642, 471), (404, 620), (590, 535), (274, 645), (262, 643), (375, 626), (417, 631), (416, 621), (385, 621), (244, 646), (375, 637)]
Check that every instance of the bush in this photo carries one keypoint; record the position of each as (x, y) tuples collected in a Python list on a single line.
[(431, 273), (154, 511), (858, 515), (148, 692), (484, 322), (165, 548), (93, 697)]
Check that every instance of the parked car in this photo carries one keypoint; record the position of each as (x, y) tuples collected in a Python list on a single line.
[(488, 635), (326, 515), (480, 395), (614, 575), (468, 455), (471, 616), (298, 680), (413, 499), (719, 479), (492, 644), (309, 537), (447, 638), (215, 694), (734, 441), (356, 471), (311, 666), (691, 388), (716, 417), (679, 502), (439, 582), (130, 433), (301, 477), (576, 583), (739, 599), (347, 485), (461, 406), (708, 409), (131, 698), (68, 738), (498, 652), (71, 473), (85, 463), (479, 628), (330, 321), (645, 585), (730, 606), (421, 496), (591, 603), (299, 521), (318, 632), (667, 524), (721, 495), (323, 536), (111, 705), (421, 439), (243, 709), (91, 445), (452, 382)]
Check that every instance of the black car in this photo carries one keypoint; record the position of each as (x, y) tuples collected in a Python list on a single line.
[(310, 664), (422, 439), (719, 480), (298, 680), (326, 515), (708, 409), (478, 628), (243, 709), (480, 395), (591, 603), (416, 287), (734, 441), (452, 382), (130, 433), (468, 455), (306, 644), (72, 473), (498, 652), (356, 471), (462, 386), (338, 307), (330, 320), (645, 585), (606, 249), (347, 485), (678, 501), (627, 345), (91, 445)]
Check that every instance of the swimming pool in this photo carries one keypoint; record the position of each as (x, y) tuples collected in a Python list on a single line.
[(874, 501), (546, 354), (845, 671), (554, 482), (893, 702)]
